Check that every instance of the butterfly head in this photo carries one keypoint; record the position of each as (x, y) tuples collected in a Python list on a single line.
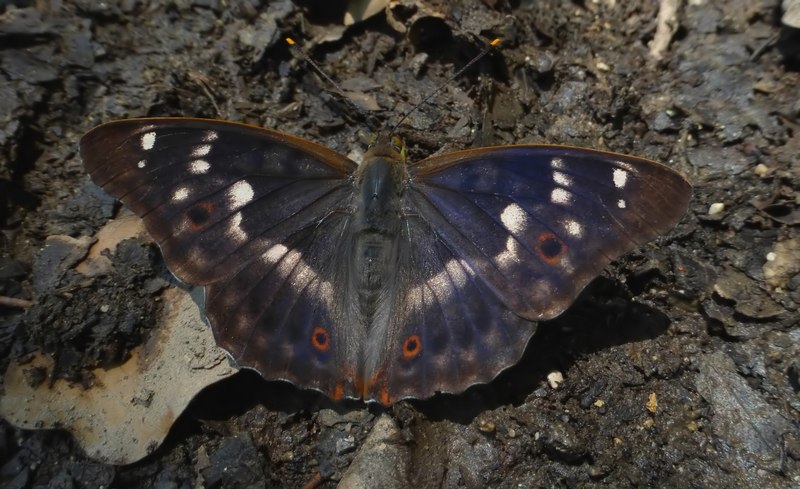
[(391, 147)]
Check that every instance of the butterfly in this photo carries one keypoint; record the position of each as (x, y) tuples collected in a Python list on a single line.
[(385, 280)]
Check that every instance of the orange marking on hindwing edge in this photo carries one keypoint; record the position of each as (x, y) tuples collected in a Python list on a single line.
[(360, 385), (344, 386), (378, 384), (550, 248), (384, 397), (338, 391)]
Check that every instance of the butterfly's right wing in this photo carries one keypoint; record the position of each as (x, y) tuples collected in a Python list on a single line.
[(497, 238), (256, 216)]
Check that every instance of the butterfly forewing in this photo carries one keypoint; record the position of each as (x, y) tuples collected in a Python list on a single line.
[(213, 193), (537, 223)]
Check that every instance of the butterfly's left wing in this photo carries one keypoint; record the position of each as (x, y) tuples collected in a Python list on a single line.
[(496, 238)]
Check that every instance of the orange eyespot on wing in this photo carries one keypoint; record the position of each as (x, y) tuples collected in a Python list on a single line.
[(321, 339), (550, 248), (412, 347), (199, 215)]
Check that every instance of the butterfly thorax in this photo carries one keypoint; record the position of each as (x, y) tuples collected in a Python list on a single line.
[(380, 179)]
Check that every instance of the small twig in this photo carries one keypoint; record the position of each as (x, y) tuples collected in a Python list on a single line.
[(666, 25), (202, 82), (14, 302), (764, 46), (486, 50)]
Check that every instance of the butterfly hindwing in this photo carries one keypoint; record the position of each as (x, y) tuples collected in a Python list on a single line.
[(448, 330), (282, 314)]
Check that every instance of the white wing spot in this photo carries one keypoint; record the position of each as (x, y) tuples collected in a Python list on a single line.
[(199, 167), (560, 196), (557, 164), (235, 230), (326, 293), (240, 194), (288, 263), (141, 164), (620, 178), (203, 150), (573, 228), (565, 264), (210, 136), (414, 298), (562, 179), (510, 256), (514, 218), (274, 254), (180, 194), (456, 274), (621, 203), (440, 284), (148, 140)]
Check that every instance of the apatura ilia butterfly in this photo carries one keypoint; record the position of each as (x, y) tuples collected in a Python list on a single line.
[(384, 280)]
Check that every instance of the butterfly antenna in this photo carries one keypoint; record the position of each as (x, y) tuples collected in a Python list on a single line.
[(495, 42), (295, 48)]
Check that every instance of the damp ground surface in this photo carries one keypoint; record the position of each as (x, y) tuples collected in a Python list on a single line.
[(680, 364)]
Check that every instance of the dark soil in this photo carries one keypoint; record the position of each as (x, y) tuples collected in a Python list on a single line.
[(681, 363)]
